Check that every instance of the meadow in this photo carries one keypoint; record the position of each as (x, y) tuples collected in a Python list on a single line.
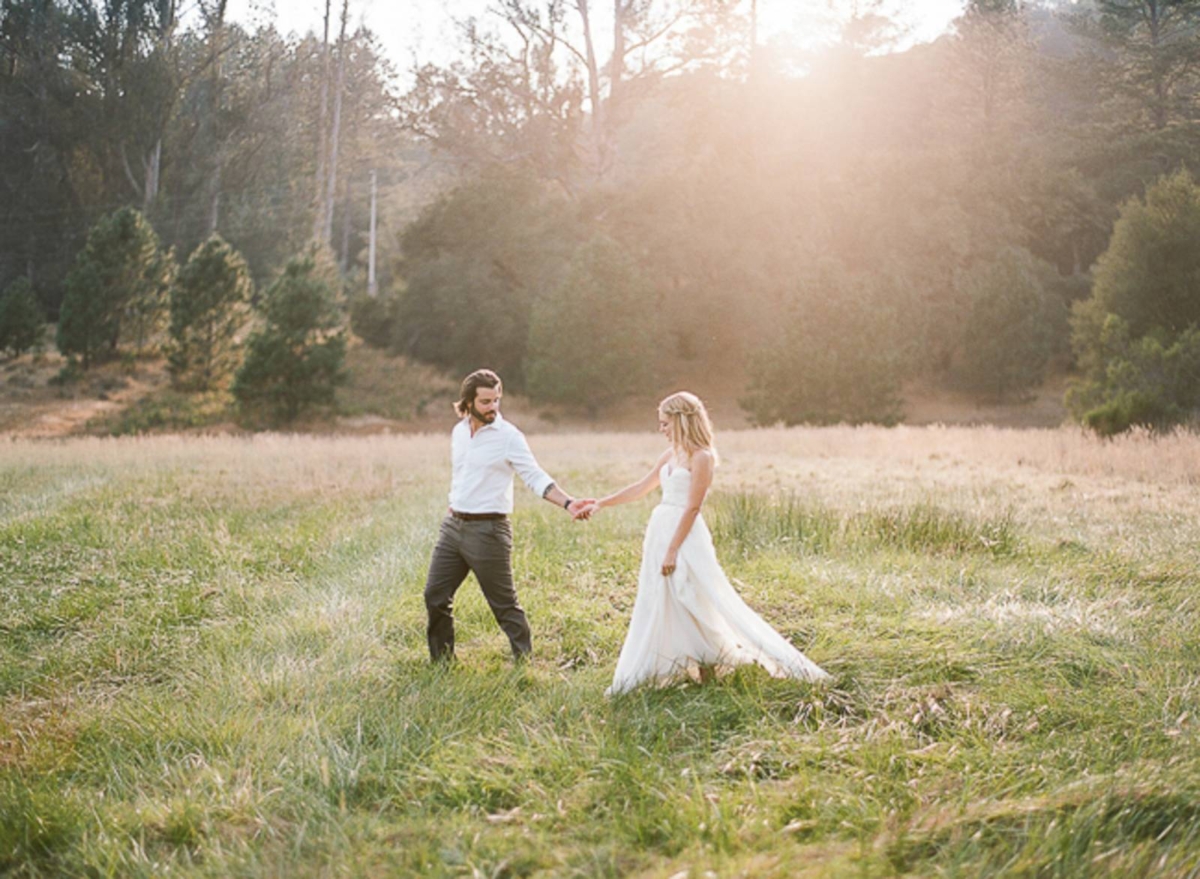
[(212, 663)]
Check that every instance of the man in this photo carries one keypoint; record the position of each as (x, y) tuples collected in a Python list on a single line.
[(476, 535)]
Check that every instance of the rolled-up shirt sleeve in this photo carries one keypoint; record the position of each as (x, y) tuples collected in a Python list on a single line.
[(521, 459)]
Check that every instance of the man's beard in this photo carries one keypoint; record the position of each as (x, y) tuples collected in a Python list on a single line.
[(480, 416)]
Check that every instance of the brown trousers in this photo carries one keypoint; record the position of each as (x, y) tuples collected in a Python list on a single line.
[(485, 549)]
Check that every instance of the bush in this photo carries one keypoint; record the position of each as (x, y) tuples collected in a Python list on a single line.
[(209, 305), (590, 338), (294, 362), (22, 321), (473, 262), (1133, 409), (1149, 382), (1150, 273), (167, 410), (833, 360), (373, 318), (1137, 341), (1014, 324)]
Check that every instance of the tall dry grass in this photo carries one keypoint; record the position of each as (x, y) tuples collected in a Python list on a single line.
[(1168, 459)]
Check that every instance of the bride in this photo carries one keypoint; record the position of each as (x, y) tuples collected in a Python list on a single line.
[(687, 617)]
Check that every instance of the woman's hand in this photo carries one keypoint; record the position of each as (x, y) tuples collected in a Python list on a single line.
[(584, 510), (668, 565)]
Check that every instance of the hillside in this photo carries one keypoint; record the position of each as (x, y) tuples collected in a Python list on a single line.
[(394, 395)]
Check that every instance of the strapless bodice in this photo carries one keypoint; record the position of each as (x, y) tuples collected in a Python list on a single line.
[(676, 482)]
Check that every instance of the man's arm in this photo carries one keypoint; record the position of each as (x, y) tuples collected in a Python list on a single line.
[(526, 466), (557, 496)]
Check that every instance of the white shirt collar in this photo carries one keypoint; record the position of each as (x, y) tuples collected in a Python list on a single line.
[(499, 419)]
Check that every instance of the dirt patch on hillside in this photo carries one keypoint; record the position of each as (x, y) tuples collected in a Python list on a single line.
[(34, 405)]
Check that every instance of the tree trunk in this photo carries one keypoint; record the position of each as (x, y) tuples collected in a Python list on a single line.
[(218, 28), (345, 251), (752, 59), (214, 203), (617, 64), (153, 164), (133, 184), (594, 96), (150, 188), (1154, 19), (319, 182), (336, 132)]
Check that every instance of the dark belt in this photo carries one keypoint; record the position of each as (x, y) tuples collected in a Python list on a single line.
[(478, 517)]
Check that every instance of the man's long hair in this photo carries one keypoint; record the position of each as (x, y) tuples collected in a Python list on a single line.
[(480, 378)]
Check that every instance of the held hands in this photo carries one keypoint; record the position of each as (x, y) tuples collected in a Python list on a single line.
[(582, 508)]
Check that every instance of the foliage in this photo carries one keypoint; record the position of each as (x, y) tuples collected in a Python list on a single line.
[(1013, 324), (1149, 274), (591, 339), (1158, 73), (204, 127), (1151, 381), (832, 360), (472, 265), (294, 361), (393, 387), (209, 305), (168, 411), (1135, 339), (22, 322), (373, 318), (665, 126), (147, 310), (525, 110), (117, 288)]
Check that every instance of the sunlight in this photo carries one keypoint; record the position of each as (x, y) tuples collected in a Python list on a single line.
[(810, 23), (424, 29)]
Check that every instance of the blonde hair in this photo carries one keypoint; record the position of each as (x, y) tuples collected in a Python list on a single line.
[(688, 425)]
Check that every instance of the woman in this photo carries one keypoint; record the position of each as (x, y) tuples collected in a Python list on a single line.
[(687, 616)]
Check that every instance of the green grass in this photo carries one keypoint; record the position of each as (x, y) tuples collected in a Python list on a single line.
[(212, 663)]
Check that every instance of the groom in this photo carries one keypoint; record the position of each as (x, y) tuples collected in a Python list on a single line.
[(476, 535)]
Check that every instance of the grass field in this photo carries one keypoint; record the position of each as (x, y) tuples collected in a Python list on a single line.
[(212, 663)]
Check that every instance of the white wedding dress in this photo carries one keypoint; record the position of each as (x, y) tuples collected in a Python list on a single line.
[(694, 617)]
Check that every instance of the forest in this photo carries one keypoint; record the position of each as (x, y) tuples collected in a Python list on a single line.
[(594, 205)]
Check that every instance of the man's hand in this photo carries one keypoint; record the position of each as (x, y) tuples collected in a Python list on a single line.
[(582, 508)]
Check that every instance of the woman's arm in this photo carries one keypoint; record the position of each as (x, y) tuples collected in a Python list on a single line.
[(639, 489), (702, 474)]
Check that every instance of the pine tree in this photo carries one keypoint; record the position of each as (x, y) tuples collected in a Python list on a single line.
[(21, 319), (209, 305), (294, 362), (117, 288)]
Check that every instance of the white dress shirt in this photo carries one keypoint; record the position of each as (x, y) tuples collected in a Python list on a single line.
[(483, 467)]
